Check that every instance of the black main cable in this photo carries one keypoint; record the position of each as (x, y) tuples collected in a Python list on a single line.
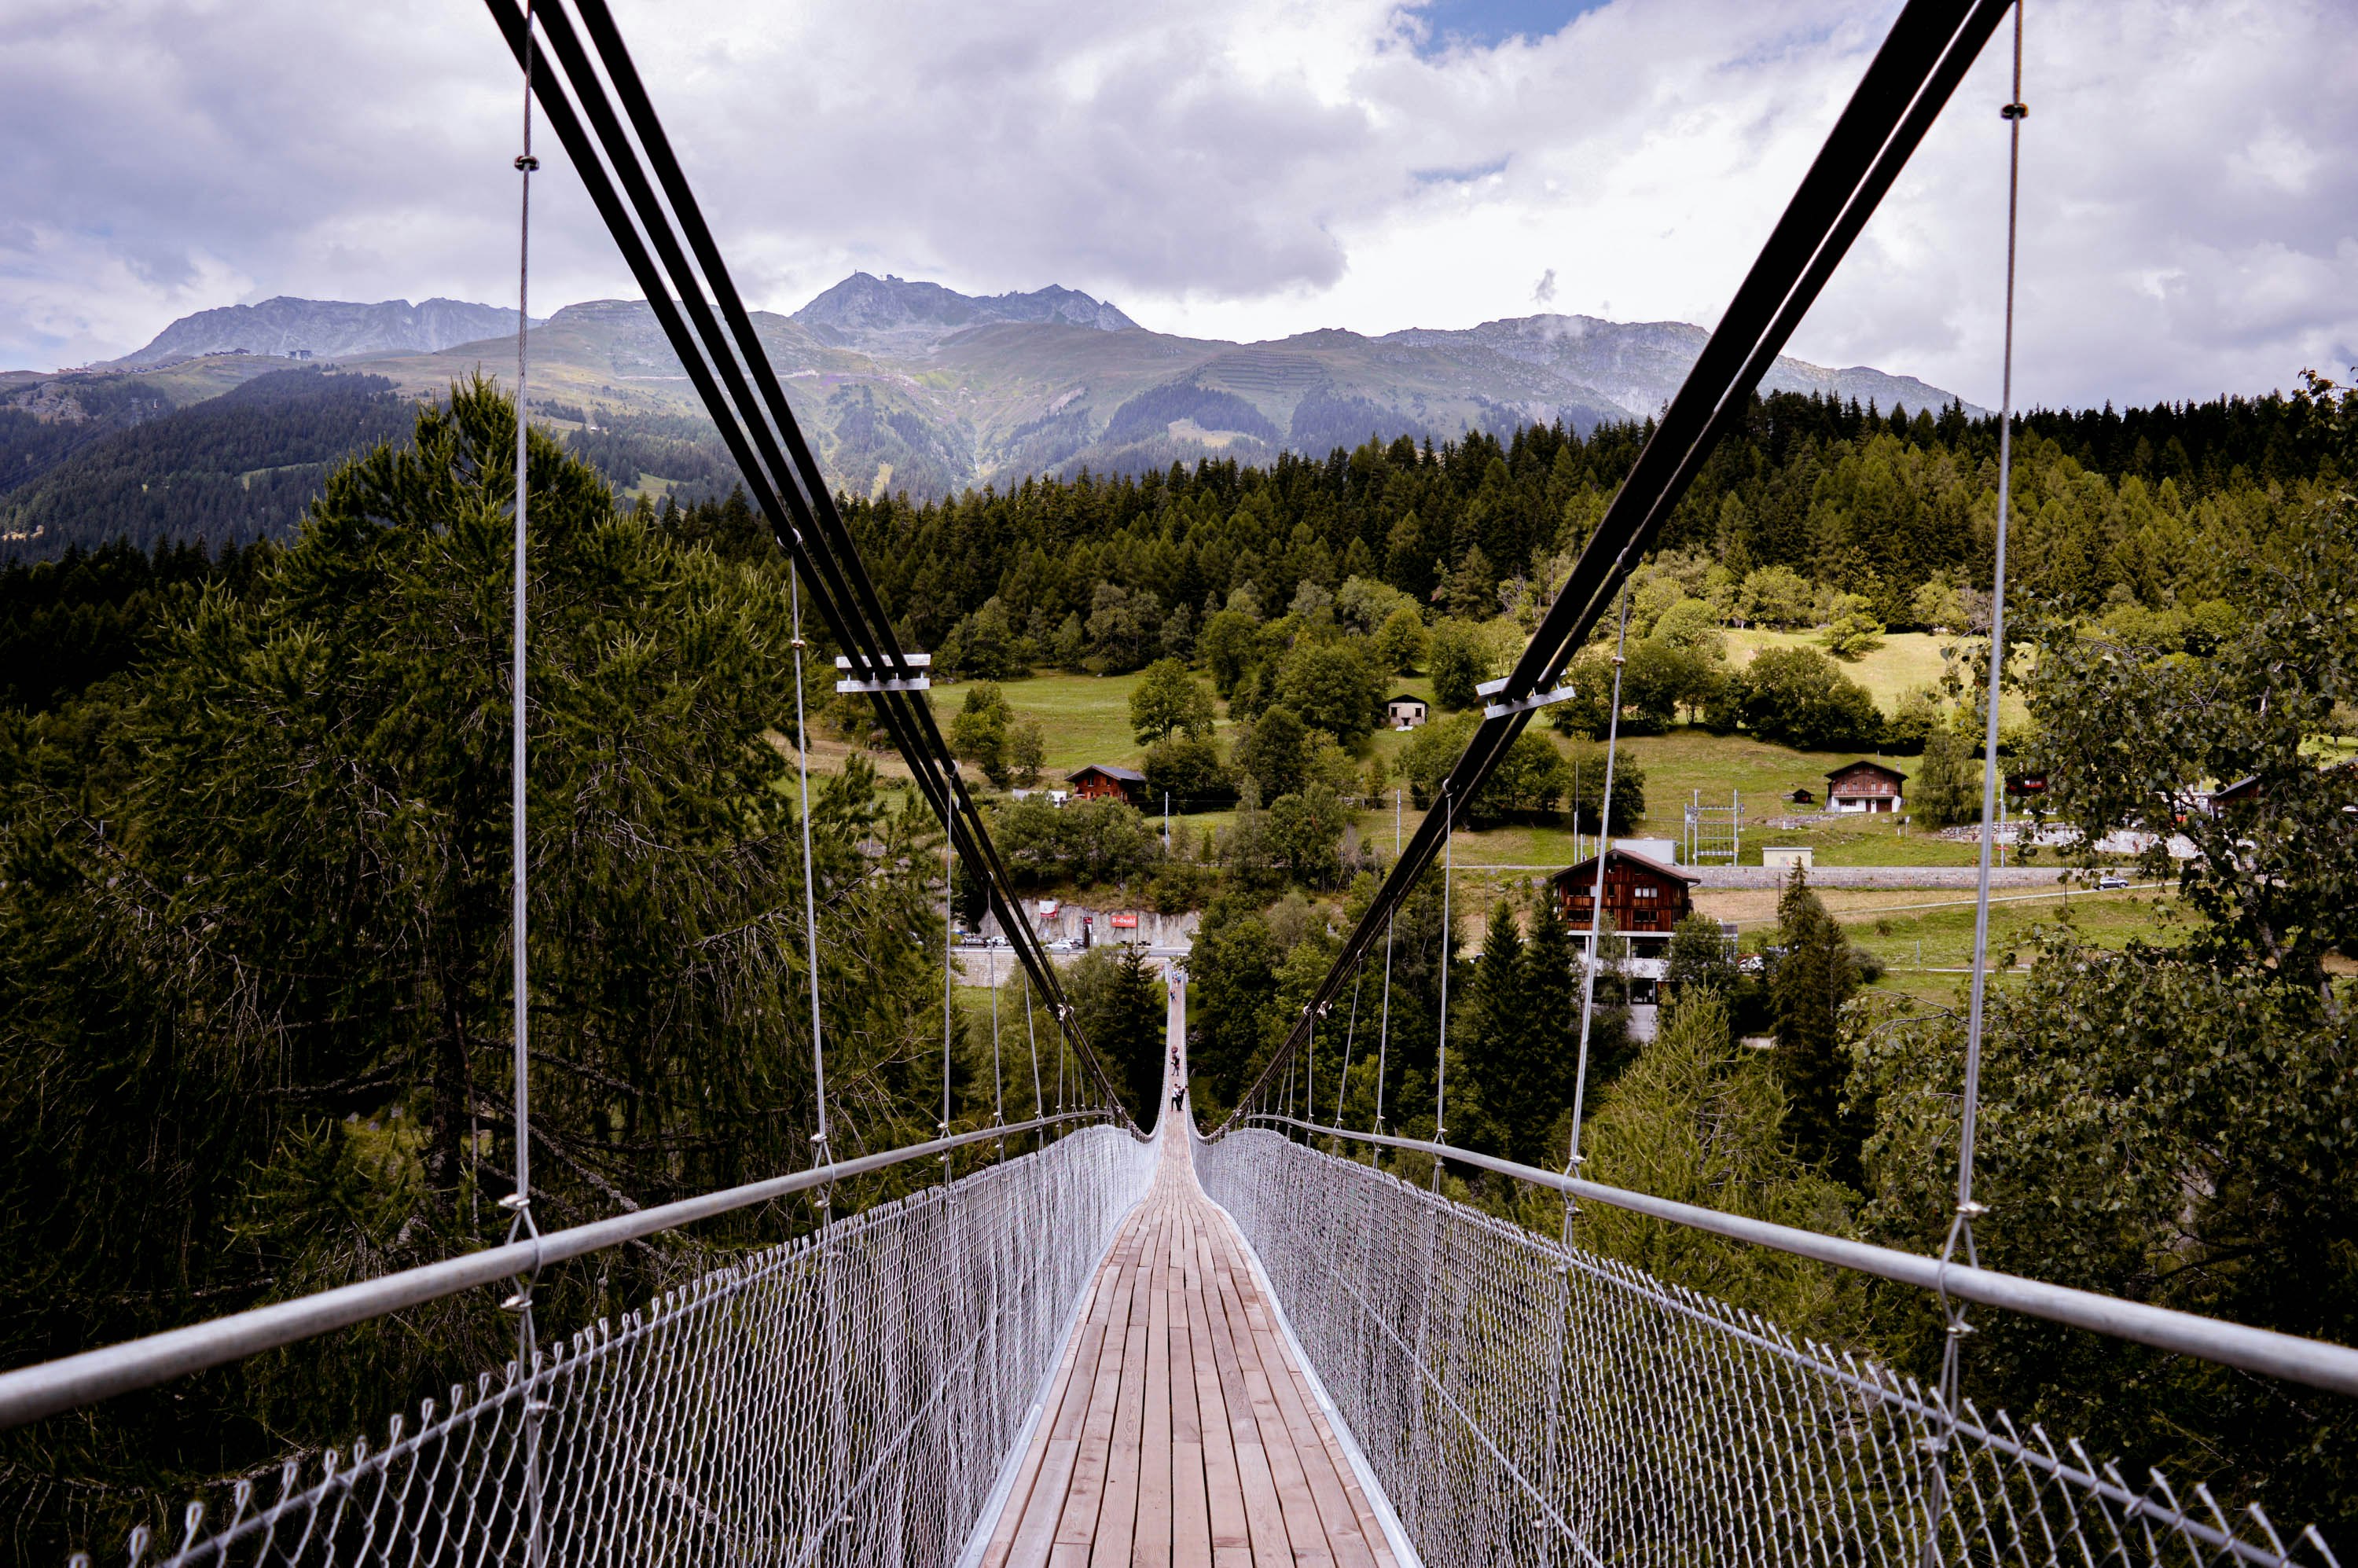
[(1911, 78), (813, 535)]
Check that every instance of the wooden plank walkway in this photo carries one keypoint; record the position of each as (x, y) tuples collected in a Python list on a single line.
[(1178, 1432)]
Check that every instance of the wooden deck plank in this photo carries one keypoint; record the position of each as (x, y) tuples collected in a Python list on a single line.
[(1179, 1432), (1118, 1508), (1190, 1518), (1150, 1541), (1224, 1489), (1079, 1523)]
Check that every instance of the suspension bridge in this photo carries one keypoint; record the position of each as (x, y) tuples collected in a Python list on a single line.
[(1245, 1344)]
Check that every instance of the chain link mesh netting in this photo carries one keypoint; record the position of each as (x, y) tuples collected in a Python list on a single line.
[(844, 1400), (1523, 1403)]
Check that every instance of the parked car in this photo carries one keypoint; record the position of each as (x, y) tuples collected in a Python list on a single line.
[(2111, 882)]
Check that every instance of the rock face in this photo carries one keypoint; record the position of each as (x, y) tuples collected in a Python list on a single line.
[(325, 328), (1637, 366), (865, 307)]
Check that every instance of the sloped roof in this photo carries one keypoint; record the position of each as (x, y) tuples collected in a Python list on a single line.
[(1646, 862), (1127, 775), (1894, 775), (1405, 696)]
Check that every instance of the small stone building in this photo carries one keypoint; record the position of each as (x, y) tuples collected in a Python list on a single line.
[(1405, 712)]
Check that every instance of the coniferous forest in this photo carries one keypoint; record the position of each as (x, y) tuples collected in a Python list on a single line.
[(253, 884)]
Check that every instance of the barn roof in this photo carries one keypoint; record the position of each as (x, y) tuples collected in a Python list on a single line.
[(1644, 863), (1863, 765)]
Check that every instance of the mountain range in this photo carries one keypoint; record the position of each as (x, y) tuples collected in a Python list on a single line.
[(908, 385), (324, 330)]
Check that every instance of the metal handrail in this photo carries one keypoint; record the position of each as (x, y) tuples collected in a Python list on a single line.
[(2317, 1363), (29, 1393)]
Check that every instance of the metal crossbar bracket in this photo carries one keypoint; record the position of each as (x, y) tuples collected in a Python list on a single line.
[(1537, 699), (865, 680)]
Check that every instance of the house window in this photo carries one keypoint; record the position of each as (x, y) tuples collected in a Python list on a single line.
[(1645, 893)]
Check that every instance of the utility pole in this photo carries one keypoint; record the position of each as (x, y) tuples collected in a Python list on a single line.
[(1166, 824)]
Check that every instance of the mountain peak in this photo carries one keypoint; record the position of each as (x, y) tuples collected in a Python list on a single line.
[(864, 305), (325, 328)]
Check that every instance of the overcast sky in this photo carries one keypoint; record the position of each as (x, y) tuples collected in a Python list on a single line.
[(1234, 169)]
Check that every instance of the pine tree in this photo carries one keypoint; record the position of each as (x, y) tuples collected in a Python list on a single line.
[(1488, 1035), (1551, 998), (1814, 977)]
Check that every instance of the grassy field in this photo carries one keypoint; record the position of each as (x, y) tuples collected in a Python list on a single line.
[(1086, 718), (1907, 661)]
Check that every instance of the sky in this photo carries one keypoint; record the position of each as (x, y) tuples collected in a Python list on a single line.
[(1231, 169)]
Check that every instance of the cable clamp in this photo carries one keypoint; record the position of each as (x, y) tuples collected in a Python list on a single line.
[(2015, 112), (1969, 1209), (525, 163), (516, 1201), (519, 1302), (1959, 1329)]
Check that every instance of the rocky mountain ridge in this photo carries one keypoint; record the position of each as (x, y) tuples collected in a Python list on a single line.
[(864, 306), (910, 385), (288, 328)]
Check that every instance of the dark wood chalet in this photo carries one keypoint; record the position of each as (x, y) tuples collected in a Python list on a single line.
[(1864, 786), (1643, 897), (1100, 782)]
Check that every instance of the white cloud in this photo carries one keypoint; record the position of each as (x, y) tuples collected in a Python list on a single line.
[(1224, 167)]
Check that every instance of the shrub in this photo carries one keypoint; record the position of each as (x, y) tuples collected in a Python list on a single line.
[(1332, 686), (1187, 769), (1168, 698), (1853, 631), (1402, 642), (1457, 662), (978, 734), (1796, 696), (1776, 595)]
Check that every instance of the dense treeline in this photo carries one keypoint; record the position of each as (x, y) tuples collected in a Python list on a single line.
[(253, 953), (42, 424), (69, 622), (1849, 499), (229, 470), (675, 449), (2168, 1123)]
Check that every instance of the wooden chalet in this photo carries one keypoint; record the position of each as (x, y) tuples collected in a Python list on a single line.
[(1101, 781), (1643, 897), (1864, 786)]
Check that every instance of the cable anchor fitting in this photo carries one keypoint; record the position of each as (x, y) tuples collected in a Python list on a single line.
[(2016, 111), (526, 164)]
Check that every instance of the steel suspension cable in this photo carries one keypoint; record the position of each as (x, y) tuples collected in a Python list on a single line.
[(1961, 1222), (810, 868), (519, 1202), (949, 963), (1573, 1159), (1384, 1029), (1930, 47), (1032, 1032), (1343, 1079), (1441, 1046), (801, 508)]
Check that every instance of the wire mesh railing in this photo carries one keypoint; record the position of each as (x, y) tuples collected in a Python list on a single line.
[(842, 1400), (1522, 1402)]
